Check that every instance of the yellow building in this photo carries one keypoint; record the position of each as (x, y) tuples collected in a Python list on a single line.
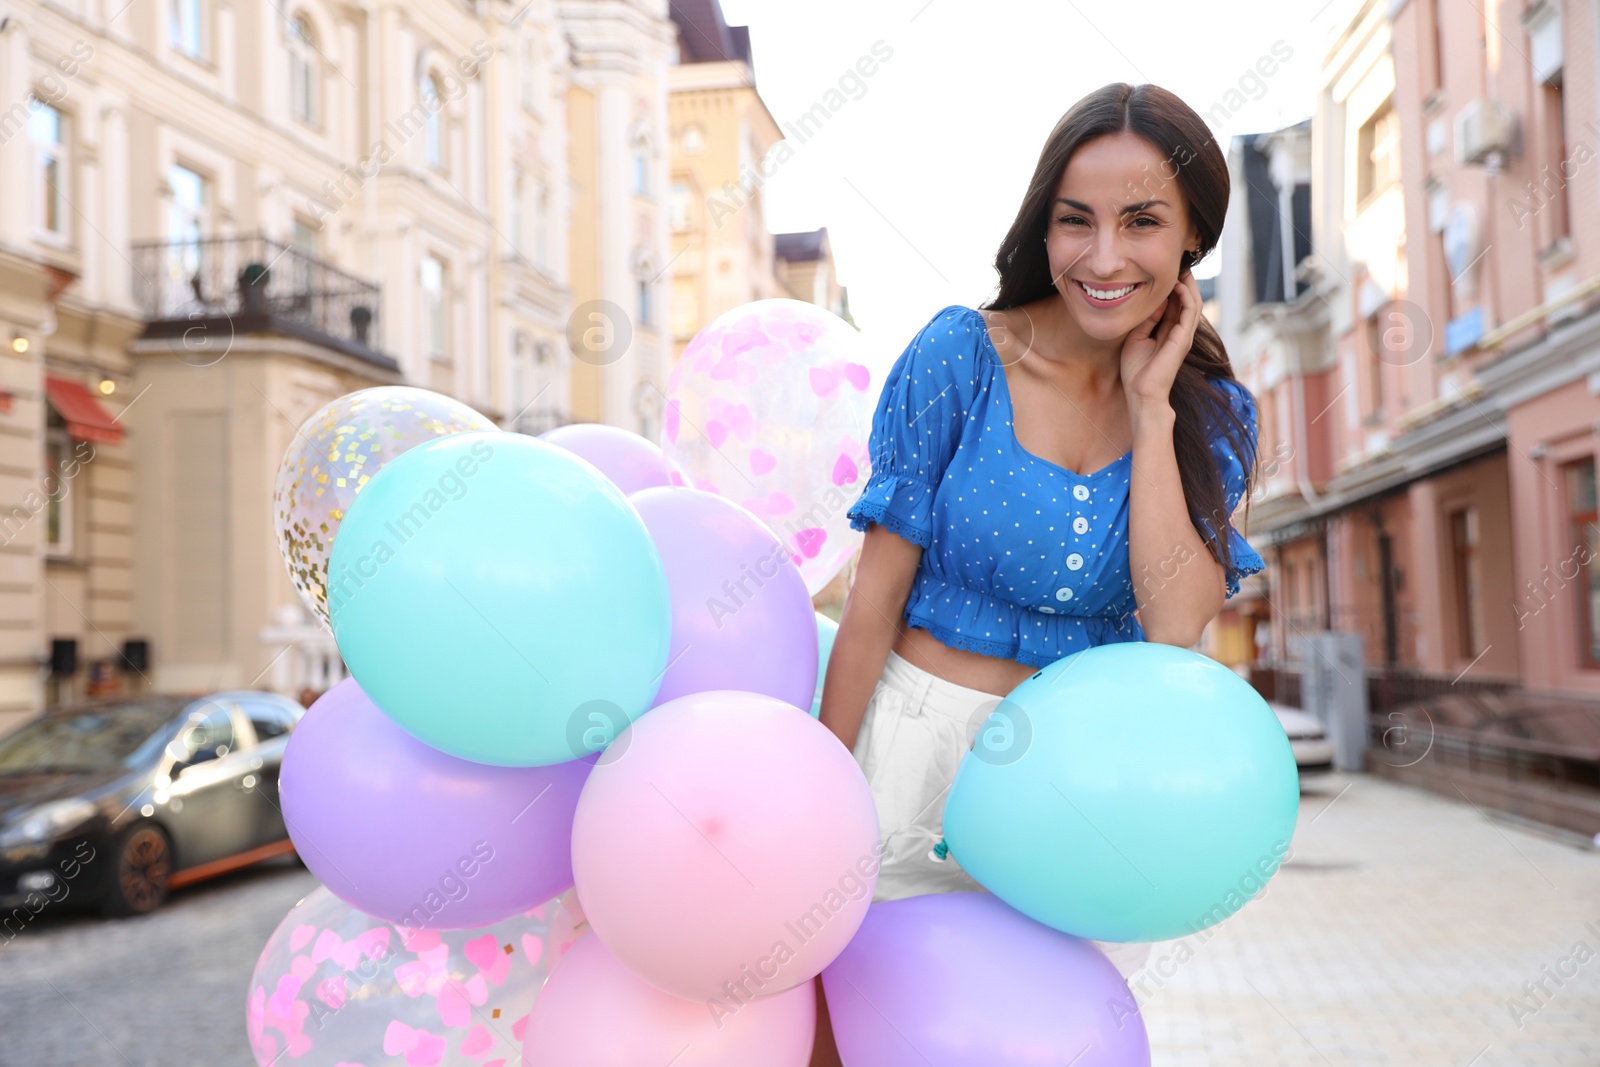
[(218, 216)]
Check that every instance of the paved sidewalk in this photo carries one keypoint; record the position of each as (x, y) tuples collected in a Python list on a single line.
[(1402, 930)]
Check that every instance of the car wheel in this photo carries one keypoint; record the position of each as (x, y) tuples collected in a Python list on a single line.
[(141, 869)]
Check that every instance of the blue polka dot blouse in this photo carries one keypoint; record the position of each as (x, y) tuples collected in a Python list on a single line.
[(1022, 559)]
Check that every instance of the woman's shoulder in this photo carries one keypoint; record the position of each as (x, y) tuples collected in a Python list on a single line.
[(952, 346)]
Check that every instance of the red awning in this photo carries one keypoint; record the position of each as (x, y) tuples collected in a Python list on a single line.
[(86, 419)]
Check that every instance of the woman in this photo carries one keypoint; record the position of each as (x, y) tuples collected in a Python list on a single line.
[(1053, 472)]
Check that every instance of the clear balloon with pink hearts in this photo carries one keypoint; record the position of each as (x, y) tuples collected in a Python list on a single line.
[(337, 988), (771, 406)]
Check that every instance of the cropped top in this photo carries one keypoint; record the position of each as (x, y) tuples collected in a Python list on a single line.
[(1022, 559)]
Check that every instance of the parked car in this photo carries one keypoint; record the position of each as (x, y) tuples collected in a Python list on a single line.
[(117, 802), (1313, 752)]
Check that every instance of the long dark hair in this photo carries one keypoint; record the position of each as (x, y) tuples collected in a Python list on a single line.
[(1184, 140)]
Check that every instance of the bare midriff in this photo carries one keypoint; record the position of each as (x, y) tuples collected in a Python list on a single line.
[(988, 674)]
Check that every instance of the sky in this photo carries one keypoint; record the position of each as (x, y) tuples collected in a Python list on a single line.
[(920, 172)]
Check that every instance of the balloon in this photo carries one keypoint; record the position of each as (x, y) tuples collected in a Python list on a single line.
[(595, 1012), (631, 462), (333, 456), (962, 980), (1129, 792), (771, 406), (412, 835), (827, 629), (741, 616), (335, 986), (495, 595), (733, 845)]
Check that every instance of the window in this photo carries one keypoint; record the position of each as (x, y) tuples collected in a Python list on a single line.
[(694, 140), (186, 223), (541, 226), (433, 122), (1583, 535), (433, 275), (305, 74), (207, 735), (1378, 153), (680, 207), (58, 492), (270, 717), (184, 31), (1555, 149), (1375, 341), (641, 167), (646, 312), (47, 129), (1469, 600), (519, 184), (307, 245), (530, 74)]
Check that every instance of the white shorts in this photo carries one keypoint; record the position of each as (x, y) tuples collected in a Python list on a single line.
[(916, 729)]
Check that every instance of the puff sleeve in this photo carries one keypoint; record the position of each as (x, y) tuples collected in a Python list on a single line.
[(917, 425), (1245, 560)]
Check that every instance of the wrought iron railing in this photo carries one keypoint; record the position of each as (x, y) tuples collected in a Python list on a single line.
[(254, 282)]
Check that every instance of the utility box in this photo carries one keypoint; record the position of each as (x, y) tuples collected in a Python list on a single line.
[(1333, 687)]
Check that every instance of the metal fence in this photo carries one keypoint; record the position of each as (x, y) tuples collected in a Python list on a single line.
[(253, 281)]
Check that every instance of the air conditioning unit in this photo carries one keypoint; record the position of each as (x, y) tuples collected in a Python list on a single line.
[(1484, 127)]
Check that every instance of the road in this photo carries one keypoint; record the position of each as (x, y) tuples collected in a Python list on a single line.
[(1404, 929)]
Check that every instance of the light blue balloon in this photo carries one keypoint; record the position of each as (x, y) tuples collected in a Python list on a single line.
[(826, 630), (500, 599), (1129, 792)]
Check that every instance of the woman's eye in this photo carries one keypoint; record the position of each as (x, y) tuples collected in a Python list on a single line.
[(1069, 218)]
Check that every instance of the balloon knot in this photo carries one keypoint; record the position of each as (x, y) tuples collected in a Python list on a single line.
[(940, 851)]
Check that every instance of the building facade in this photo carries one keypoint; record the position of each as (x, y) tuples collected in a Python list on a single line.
[(219, 216)]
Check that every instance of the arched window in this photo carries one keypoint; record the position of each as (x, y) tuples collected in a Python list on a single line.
[(641, 165), (305, 73), (432, 102)]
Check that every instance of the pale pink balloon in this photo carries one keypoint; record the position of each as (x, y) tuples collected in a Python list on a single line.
[(732, 844), (595, 1012)]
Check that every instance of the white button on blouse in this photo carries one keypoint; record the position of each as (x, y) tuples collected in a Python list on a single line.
[(1074, 561), (1080, 492), (1080, 525), (1063, 594)]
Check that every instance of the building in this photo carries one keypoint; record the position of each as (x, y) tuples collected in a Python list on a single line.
[(230, 214), (1428, 370)]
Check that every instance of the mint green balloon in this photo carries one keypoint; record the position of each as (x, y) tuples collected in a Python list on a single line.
[(827, 629), (500, 599), (1130, 792)]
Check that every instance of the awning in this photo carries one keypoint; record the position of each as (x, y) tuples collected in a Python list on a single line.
[(86, 419)]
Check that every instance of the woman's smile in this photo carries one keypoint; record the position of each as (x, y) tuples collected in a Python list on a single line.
[(1097, 296)]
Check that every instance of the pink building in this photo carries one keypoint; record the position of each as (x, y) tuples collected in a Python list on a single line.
[(1410, 284)]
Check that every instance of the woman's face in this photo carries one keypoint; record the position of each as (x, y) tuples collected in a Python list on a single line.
[(1119, 220)]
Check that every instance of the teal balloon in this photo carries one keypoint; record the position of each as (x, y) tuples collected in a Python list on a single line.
[(1129, 792), (826, 630), (500, 599)]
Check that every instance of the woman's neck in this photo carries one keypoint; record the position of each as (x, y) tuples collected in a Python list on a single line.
[(1057, 338)]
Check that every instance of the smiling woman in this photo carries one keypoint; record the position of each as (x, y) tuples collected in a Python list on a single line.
[(1050, 473)]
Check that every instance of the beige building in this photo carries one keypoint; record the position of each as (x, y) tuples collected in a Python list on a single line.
[(220, 214)]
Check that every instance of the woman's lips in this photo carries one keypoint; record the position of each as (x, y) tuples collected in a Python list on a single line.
[(1096, 302)]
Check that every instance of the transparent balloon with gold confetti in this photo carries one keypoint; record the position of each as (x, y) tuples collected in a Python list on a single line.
[(334, 454)]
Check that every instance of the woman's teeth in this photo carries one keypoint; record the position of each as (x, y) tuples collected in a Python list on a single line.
[(1108, 294)]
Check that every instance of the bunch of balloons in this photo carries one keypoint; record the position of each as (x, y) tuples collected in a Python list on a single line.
[(578, 724)]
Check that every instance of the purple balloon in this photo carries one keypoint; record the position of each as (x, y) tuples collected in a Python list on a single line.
[(741, 614), (964, 980), (631, 462), (409, 834)]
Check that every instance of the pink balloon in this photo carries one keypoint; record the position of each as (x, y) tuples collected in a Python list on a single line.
[(741, 614), (729, 850), (630, 461), (595, 1012)]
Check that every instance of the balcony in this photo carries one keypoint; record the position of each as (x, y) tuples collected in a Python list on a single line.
[(224, 286)]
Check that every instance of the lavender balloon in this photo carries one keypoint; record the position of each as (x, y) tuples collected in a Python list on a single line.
[(411, 835), (741, 615), (964, 980), (630, 461)]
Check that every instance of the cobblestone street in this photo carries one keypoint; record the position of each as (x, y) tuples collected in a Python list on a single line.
[(1398, 933), (1403, 929)]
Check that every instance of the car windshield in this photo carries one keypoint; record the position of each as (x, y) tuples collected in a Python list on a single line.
[(93, 739)]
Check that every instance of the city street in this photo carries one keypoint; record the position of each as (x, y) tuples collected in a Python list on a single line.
[(1401, 931)]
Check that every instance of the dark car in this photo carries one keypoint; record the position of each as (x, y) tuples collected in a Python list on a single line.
[(115, 803)]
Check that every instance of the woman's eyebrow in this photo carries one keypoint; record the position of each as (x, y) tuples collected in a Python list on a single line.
[(1078, 205)]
